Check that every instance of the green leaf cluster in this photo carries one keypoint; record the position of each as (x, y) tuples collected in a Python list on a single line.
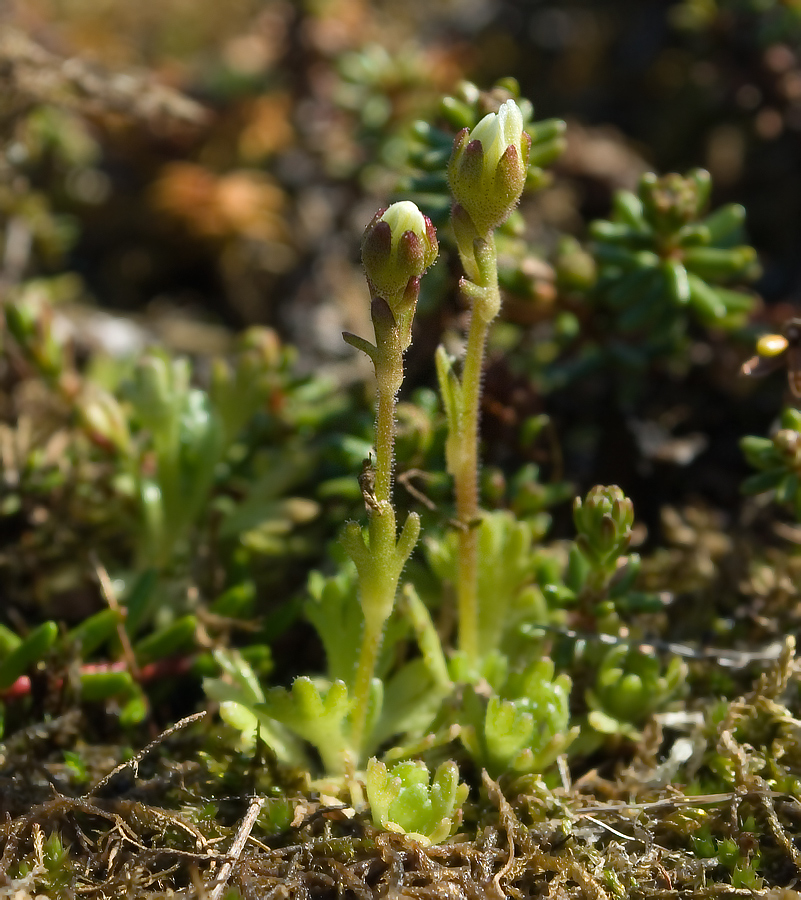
[(629, 686), (524, 726), (661, 256), (506, 594), (778, 460), (409, 800)]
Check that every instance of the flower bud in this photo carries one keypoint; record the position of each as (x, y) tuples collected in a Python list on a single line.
[(104, 419), (788, 443), (487, 168), (603, 522), (398, 246)]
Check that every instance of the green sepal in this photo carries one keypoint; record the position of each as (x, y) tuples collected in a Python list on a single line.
[(544, 153)]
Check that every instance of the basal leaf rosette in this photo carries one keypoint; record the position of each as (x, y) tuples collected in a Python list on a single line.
[(407, 799), (398, 246), (487, 168)]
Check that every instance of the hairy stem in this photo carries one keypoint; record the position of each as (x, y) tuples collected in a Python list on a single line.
[(484, 294), (379, 585)]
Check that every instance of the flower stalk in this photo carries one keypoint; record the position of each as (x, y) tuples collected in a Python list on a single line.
[(487, 173), (398, 246)]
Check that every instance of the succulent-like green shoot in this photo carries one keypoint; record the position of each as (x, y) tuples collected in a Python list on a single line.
[(660, 252), (408, 800), (603, 521), (778, 460), (630, 686), (524, 728)]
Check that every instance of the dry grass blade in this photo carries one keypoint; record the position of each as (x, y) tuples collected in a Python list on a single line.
[(242, 835), (134, 762)]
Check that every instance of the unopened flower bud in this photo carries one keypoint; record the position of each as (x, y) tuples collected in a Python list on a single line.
[(103, 418), (788, 443), (603, 522), (398, 246), (487, 168)]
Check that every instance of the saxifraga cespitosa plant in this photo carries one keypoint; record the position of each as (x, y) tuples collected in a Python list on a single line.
[(487, 174), (398, 246)]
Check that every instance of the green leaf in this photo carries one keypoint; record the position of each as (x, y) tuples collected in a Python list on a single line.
[(716, 264), (135, 709), (177, 638), (678, 285), (763, 481), (705, 300), (760, 452), (725, 223), (32, 649), (94, 631), (315, 712), (787, 488), (9, 641), (627, 208), (240, 695), (96, 686)]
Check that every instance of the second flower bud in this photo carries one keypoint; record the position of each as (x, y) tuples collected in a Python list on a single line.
[(398, 246)]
